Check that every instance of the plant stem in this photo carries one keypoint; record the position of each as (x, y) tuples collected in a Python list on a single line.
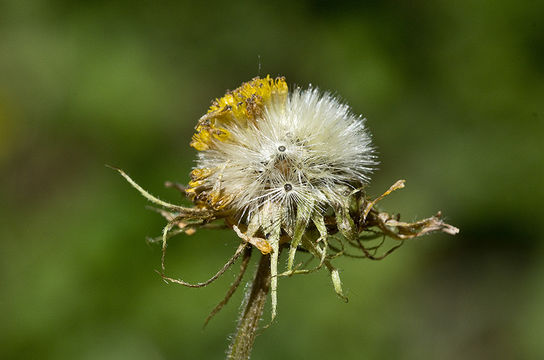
[(248, 323)]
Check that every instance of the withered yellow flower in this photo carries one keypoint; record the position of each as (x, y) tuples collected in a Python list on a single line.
[(287, 170), (277, 162)]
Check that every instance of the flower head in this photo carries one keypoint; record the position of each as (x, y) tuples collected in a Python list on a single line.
[(266, 155), (286, 170)]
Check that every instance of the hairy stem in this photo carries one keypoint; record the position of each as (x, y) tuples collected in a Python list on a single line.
[(248, 323)]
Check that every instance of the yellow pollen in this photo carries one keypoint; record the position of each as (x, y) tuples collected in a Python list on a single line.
[(241, 105)]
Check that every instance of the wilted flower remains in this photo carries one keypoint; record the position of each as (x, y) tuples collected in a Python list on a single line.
[(287, 170)]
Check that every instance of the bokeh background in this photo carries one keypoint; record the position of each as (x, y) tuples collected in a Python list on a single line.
[(454, 96)]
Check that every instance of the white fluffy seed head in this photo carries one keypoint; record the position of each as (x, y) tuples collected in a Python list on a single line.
[(307, 150)]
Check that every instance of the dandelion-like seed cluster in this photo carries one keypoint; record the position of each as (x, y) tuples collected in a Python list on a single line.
[(302, 150), (277, 159), (286, 170)]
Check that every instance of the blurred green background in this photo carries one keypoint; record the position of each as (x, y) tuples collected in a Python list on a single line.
[(454, 96)]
